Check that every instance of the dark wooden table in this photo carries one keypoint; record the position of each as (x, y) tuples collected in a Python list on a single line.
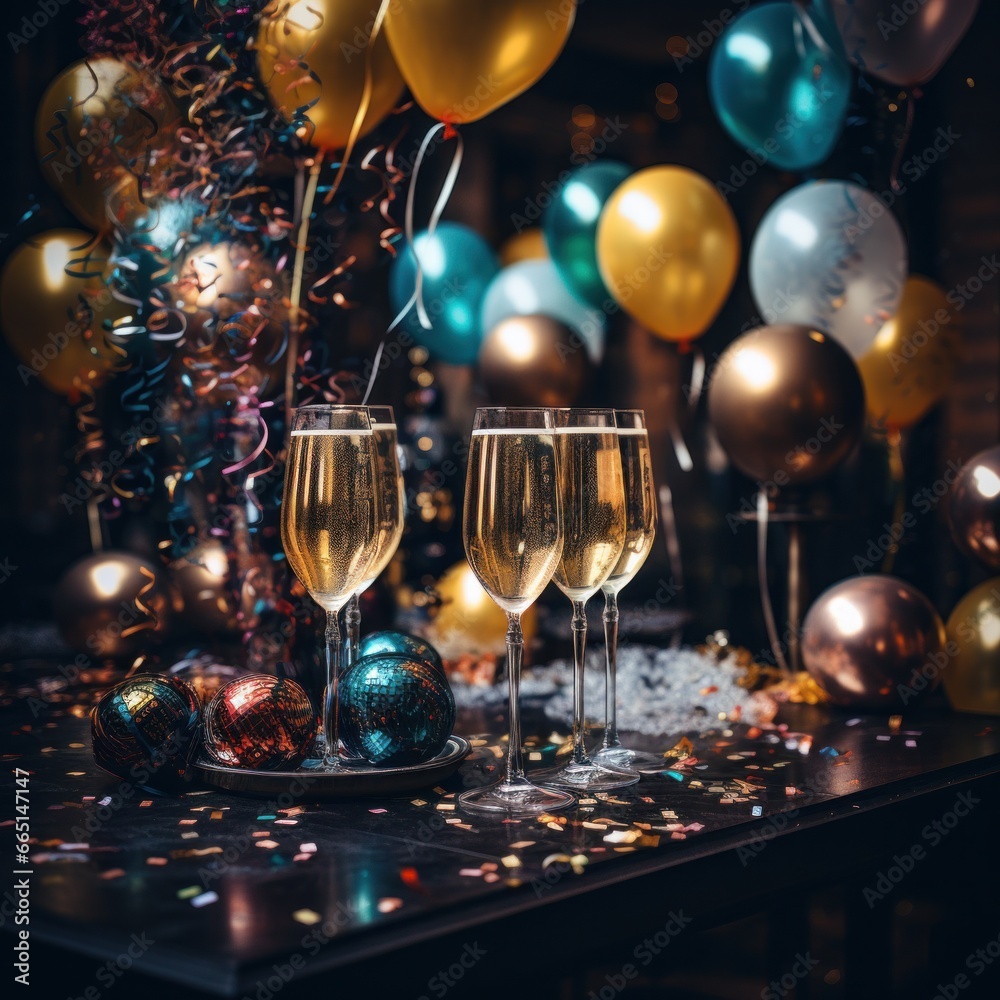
[(238, 897)]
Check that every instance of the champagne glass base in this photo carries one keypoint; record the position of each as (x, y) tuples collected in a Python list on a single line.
[(515, 799), (621, 757), (589, 777)]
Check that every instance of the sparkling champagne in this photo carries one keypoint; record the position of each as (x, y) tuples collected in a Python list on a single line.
[(330, 511), (392, 500), (593, 496), (640, 505), (513, 533)]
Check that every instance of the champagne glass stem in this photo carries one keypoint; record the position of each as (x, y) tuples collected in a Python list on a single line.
[(579, 628), (352, 623), (330, 700), (611, 739), (515, 654)]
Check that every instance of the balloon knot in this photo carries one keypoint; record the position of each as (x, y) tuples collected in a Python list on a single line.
[(684, 347), (450, 132)]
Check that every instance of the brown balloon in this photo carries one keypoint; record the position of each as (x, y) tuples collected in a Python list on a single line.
[(787, 404), (972, 675), (533, 361), (873, 641), (113, 604), (974, 508)]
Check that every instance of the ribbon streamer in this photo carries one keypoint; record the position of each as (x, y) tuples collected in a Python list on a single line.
[(765, 593), (897, 474)]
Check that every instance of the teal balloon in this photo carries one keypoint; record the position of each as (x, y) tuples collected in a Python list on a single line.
[(456, 266), (570, 227), (535, 288), (780, 83)]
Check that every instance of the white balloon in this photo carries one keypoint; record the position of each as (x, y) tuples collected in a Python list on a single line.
[(831, 255), (534, 287)]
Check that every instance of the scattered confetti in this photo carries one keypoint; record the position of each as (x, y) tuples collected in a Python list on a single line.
[(307, 917)]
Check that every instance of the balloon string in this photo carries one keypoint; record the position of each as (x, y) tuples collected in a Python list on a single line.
[(898, 479), (805, 21), (366, 96), (904, 140), (680, 447), (697, 377), (765, 594), (302, 240), (417, 298)]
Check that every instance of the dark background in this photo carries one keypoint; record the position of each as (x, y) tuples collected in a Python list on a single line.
[(616, 57)]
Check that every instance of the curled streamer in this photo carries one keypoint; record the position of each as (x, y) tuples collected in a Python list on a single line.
[(152, 619)]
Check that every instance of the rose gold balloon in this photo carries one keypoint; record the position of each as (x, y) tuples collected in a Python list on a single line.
[(533, 361), (202, 579), (974, 508), (873, 641), (113, 604), (787, 404)]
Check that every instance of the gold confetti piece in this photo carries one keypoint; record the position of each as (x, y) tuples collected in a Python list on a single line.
[(491, 866), (478, 743), (388, 904), (594, 826), (156, 861), (624, 850), (521, 844), (453, 821), (463, 826), (76, 746), (307, 916), (620, 837), (418, 802), (188, 893), (534, 755), (491, 877), (260, 833), (145, 803), (555, 826), (268, 844), (511, 861), (76, 774), (438, 789), (190, 835), (216, 814), (112, 873), (588, 802), (187, 822), (445, 807)]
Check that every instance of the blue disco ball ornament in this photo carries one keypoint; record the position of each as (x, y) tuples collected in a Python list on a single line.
[(395, 710), (146, 729), (400, 644)]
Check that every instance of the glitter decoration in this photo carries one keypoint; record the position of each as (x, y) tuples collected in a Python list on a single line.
[(400, 644), (145, 729), (259, 722), (395, 710)]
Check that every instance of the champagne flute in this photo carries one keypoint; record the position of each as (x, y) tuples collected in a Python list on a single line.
[(640, 530), (513, 536), (392, 512), (330, 525), (593, 495)]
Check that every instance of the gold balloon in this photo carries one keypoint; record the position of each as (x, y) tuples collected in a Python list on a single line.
[(872, 641), (93, 135), (974, 508), (971, 675), (668, 249), (787, 404), (311, 56), (54, 321), (463, 60), (113, 604), (533, 361), (529, 244), (202, 578), (912, 360), (469, 621)]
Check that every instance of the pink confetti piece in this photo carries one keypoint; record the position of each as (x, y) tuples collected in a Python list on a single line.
[(470, 872), (389, 903), (307, 848), (269, 845), (112, 873), (378, 811), (158, 862)]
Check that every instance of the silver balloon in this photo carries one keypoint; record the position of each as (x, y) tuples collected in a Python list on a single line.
[(830, 255)]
